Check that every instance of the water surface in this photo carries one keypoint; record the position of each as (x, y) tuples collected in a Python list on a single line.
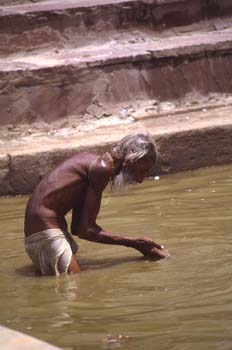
[(120, 300)]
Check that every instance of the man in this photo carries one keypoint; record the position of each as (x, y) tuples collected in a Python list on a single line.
[(77, 184)]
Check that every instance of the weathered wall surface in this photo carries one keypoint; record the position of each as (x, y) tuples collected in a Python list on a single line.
[(59, 22), (52, 93), (63, 61)]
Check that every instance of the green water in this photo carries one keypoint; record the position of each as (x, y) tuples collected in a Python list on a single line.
[(121, 301)]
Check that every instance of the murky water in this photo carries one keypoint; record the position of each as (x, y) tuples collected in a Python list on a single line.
[(121, 301)]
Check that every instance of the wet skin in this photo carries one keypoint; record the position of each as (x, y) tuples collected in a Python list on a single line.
[(77, 184)]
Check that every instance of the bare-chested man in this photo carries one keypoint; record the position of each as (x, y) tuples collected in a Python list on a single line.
[(77, 184)]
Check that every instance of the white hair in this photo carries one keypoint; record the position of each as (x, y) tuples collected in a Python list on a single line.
[(134, 147), (129, 150)]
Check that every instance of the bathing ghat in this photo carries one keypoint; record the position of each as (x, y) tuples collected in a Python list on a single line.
[(78, 75)]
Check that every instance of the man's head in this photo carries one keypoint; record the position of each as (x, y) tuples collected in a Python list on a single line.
[(136, 155)]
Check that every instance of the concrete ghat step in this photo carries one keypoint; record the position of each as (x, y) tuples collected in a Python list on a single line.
[(119, 51), (59, 23), (16, 340), (72, 81), (188, 141)]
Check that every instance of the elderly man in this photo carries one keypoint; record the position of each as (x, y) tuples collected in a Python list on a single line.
[(77, 184)]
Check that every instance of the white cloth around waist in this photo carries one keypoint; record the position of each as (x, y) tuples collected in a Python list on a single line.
[(51, 250)]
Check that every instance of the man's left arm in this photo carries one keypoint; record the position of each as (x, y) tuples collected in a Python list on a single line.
[(88, 229)]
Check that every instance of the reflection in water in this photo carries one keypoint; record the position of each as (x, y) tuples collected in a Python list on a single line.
[(93, 264), (120, 300)]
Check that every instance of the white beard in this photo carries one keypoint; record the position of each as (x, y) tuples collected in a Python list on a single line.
[(122, 181)]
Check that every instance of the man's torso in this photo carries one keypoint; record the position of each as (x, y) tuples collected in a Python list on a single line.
[(60, 191)]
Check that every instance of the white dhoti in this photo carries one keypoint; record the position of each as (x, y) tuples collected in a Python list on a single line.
[(51, 251)]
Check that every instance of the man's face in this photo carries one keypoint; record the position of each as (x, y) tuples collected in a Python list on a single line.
[(140, 169), (132, 174)]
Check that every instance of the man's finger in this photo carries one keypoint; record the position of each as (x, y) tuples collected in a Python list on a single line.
[(158, 246), (161, 253)]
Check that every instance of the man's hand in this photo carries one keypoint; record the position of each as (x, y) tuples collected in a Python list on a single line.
[(150, 249)]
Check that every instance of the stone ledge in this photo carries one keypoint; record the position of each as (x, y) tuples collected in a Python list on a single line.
[(76, 84), (39, 25), (110, 53), (184, 143), (57, 6)]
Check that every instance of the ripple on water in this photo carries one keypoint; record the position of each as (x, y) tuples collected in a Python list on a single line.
[(120, 299)]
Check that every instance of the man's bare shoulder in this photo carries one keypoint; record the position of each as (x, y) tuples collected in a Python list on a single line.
[(82, 158), (71, 169), (78, 161), (100, 171), (93, 164)]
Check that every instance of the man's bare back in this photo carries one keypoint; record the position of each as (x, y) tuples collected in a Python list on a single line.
[(62, 190)]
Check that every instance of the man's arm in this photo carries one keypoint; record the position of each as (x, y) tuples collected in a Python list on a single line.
[(88, 229)]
